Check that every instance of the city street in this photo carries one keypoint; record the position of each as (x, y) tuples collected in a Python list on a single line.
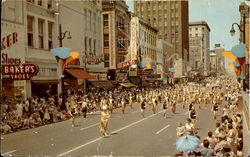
[(130, 134)]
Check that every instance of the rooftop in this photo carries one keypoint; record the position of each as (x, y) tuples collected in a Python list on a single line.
[(199, 23)]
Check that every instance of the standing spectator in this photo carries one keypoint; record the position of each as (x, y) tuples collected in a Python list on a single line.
[(84, 108), (19, 109), (206, 151)]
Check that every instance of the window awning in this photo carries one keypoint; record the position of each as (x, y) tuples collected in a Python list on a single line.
[(103, 84), (45, 81), (79, 73), (135, 80), (127, 84)]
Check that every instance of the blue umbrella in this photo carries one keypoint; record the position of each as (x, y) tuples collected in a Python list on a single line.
[(236, 64), (171, 69), (61, 52), (239, 50), (187, 143)]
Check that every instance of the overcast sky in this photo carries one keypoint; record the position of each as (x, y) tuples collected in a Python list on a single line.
[(219, 14)]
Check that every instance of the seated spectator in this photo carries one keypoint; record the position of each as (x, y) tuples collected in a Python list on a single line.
[(206, 151), (239, 152), (5, 128), (32, 121), (180, 130), (226, 151), (211, 139), (221, 143)]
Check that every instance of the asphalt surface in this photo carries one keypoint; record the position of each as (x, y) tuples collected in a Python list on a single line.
[(129, 134)]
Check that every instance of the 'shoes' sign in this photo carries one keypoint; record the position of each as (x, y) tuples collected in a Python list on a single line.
[(20, 72)]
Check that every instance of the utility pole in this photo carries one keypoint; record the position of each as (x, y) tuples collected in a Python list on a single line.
[(61, 37)]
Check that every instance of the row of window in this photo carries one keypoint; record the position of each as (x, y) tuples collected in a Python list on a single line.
[(91, 18), (40, 2), (88, 45), (147, 52), (41, 32), (196, 28)]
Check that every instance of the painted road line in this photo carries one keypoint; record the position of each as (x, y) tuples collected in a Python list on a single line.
[(90, 126), (8, 153), (90, 142), (162, 129)]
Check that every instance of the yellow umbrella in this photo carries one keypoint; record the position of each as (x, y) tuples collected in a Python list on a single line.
[(72, 56), (230, 56), (233, 71)]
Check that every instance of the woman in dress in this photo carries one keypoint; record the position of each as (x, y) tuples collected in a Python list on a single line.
[(165, 107), (143, 107), (111, 104), (173, 106), (215, 109), (130, 100), (123, 103), (104, 122), (46, 114), (154, 105), (192, 115)]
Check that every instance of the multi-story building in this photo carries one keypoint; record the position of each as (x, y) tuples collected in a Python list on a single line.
[(165, 58), (244, 9), (116, 28), (31, 30), (213, 63), (171, 19), (199, 45), (14, 46), (33, 25), (86, 37), (147, 43), (220, 59)]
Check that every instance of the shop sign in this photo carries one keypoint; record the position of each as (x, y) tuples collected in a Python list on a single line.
[(126, 64), (20, 72), (16, 70), (9, 40), (133, 43), (94, 60)]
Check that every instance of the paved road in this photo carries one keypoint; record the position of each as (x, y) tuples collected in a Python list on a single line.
[(130, 135)]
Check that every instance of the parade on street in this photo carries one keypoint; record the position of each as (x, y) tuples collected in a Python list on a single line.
[(125, 78)]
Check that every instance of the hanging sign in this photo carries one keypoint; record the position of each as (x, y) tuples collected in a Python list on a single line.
[(16, 70)]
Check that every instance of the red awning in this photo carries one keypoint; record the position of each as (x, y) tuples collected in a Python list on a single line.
[(79, 73)]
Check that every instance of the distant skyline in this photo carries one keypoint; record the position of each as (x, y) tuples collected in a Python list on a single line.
[(219, 14)]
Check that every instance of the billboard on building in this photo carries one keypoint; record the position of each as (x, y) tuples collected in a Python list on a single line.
[(133, 41)]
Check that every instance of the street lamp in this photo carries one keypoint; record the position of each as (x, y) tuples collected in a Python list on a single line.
[(61, 36), (232, 31)]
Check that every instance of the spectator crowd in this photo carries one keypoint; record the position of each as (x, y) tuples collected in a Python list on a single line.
[(227, 138)]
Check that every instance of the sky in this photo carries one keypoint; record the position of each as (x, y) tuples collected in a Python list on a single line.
[(219, 14)]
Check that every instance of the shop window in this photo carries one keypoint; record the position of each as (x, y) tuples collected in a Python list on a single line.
[(106, 57), (30, 30), (50, 27), (90, 46), (49, 4), (106, 41), (39, 2), (94, 46), (105, 20), (106, 64), (40, 33)]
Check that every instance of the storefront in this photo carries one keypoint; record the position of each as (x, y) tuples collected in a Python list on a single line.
[(12, 53)]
